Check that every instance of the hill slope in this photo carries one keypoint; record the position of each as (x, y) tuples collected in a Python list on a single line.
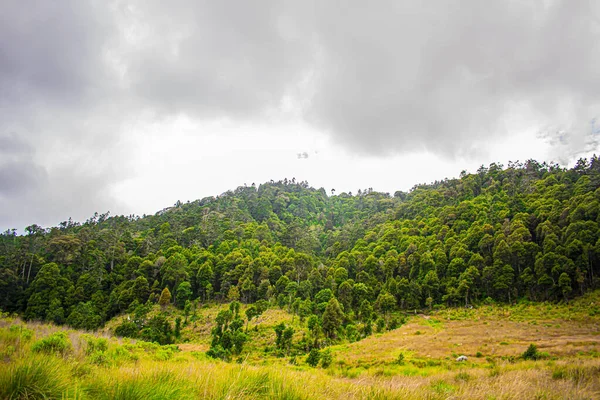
[(528, 231)]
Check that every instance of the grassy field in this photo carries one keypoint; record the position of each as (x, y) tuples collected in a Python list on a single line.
[(415, 361)]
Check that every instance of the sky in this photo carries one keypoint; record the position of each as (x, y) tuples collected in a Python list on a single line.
[(128, 106)]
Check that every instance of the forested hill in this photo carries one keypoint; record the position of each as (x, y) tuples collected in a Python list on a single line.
[(528, 230)]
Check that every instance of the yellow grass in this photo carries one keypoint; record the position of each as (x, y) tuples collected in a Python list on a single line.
[(492, 338)]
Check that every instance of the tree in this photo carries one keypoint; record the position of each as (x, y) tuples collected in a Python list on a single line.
[(184, 293), (48, 288), (283, 337), (564, 283), (165, 298), (467, 282), (332, 318), (385, 303), (174, 270), (251, 312)]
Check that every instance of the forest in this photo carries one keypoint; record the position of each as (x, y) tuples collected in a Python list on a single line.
[(343, 262)]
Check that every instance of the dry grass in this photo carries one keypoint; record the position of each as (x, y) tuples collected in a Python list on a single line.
[(367, 369)]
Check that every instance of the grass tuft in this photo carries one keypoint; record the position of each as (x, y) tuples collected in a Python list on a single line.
[(34, 378)]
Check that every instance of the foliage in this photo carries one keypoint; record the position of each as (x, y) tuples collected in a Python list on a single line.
[(158, 329), (326, 358), (228, 337), (165, 298), (313, 357), (527, 231), (531, 353), (284, 336), (56, 343)]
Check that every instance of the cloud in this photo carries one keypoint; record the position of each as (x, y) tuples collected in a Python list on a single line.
[(60, 104), (380, 79), (444, 76), (385, 78), (211, 59)]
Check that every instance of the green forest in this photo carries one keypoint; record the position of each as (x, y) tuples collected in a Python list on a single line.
[(345, 262)]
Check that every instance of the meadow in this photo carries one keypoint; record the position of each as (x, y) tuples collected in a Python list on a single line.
[(414, 361)]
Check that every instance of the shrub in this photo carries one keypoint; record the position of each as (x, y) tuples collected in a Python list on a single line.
[(99, 358), (127, 329), (21, 331), (313, 357), (395, 323), (400, 359), (218, 352), (531, 353), (326, 358), (93, 344), (58, 342), (351, 333)]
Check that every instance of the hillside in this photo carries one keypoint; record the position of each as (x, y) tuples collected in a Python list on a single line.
[(364, 295), (526, 231)]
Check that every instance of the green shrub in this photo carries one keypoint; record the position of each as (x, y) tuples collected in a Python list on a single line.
[(99, 358), (400, 359), (313, 357), (127, 329), (531, 353), (57, 343), (22, 332), (93, 344), (326, 358)]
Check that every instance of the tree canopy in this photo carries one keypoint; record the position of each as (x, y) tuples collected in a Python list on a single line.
[(528, 230)]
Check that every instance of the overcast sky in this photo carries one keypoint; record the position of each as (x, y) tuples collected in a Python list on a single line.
[(128, 106)]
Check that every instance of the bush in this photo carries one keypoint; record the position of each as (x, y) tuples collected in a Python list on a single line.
[(326, 358), (217, 352), (352, 333), (127, 329), (93, 344), (21, 331), (463, 376), (400, 359), (56, 343), (531, 353), (313, 358), (99, 358)]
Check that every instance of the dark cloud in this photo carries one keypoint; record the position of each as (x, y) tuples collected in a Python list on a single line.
[(214, 59), (445, 75), (19, 177), (51, 53), (11, 145), (380, 78), (56, 110)]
